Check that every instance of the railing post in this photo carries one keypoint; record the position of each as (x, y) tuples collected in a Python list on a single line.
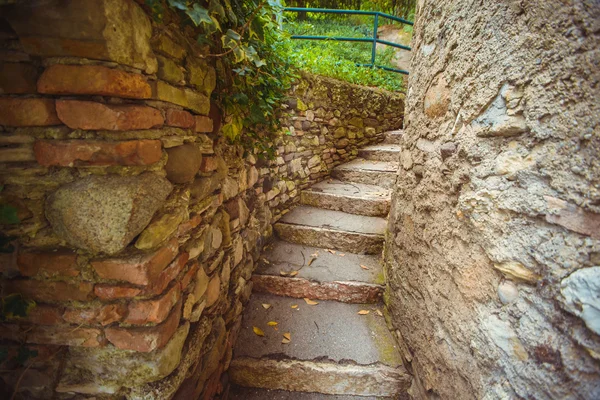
[(374, 48)]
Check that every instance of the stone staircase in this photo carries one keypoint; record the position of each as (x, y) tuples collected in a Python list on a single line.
[(322, 283)]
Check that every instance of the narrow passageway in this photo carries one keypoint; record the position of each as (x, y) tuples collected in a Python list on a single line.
[(315, 322)]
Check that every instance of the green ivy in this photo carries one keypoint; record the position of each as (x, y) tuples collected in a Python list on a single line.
[(255, 75)]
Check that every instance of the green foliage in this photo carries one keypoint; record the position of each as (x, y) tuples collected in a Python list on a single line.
[(339, 59), (400, 8), (244, 36), (15, 306)]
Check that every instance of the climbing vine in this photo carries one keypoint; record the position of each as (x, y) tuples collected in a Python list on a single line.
[(245, 39)]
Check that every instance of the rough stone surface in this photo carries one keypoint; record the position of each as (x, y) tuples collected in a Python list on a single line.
[(242, 393), (380, 152), (104, 213), (319, 377), (520, 189)]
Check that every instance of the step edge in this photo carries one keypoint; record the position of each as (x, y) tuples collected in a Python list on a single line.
[(373, 235)]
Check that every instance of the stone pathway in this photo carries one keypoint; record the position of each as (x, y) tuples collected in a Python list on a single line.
[(317, 282)]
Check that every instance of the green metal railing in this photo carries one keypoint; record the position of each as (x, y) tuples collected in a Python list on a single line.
[(374, 40)]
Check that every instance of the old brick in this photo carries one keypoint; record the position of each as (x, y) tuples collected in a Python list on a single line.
[(180, 118), (208, 164), (27, 112), (189, 275), (17, 78), (66, 335), (183, 97), (70, 153), (204, 124), (165, 277), (43, 314), (103, 315), (139, 269), (93, 80), (50, 291), (145, 339), (90, 115), (155, 310), (62, 263), (114, 292)]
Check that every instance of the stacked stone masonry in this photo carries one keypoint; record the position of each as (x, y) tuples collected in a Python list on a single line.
[(139, 224), (493, 258)]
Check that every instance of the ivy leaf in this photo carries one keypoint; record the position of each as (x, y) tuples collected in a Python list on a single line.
[(179, 4), (231, 39), (215, 7), (8, 215), (199, 15), (14, 306), (24, 355)]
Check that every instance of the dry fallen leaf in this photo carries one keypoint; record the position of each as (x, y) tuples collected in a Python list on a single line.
[(331, 251), (310, 302), (315, 254), (266, 306), (295, 306), (293, 273), (258, 331), (379, 313), (272, 323), (266, 261), (285, 341), (283, 273), (364, 266), (364, 312), (311, 261), (287, 336), (341, 255)]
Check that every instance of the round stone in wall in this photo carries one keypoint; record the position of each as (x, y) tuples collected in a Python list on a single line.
[(102, 214), (183, 163)]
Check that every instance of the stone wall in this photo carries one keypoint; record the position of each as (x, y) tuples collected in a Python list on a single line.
[(493, 258), (138, 224)]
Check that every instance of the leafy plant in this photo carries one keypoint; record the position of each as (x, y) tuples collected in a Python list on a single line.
[(339, 59), (244, 36)]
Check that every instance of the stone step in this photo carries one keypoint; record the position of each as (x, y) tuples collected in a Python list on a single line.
[(333, 349), (381, 152), (321, 274), (393, 137), (332, 229), (354, 198), (241, 393), (380, 173)]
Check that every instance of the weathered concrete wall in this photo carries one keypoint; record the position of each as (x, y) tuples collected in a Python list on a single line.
[(139, 224), (494, 254)]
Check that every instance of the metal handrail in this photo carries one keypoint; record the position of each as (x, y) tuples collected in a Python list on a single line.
[(374, 40)]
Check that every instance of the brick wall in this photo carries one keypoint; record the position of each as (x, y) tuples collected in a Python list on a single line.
[(139, 224)]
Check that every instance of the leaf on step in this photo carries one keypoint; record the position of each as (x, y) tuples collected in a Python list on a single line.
[(363, 312), (283, 273), (287, 336), (315, 254), (311, 261), (266, 261), (364, 266), (266, 306), (258, 331), (272, 323), (341, 255), (295, 306), (293, 273), (310, 302), (379, 313), (285, 341), (331, 251)]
